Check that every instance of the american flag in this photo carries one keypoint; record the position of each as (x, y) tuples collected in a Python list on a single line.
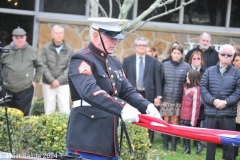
[(201, 134)]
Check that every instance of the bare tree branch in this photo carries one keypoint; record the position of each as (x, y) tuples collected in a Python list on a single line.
[(126, 6), (94, 8), (176, 3), (160, 15), (110, 8), (119, 5), (101, 8), (165, 3), (156, 4)]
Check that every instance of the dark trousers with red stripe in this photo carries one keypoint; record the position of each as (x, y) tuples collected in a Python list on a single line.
[(224, 123), (21, 100)]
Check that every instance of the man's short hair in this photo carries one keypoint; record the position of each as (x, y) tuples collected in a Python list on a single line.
[(205, 34), (57, 27), (227, 46), (140, 39)]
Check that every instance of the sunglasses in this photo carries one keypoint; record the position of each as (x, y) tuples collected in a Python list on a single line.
[(225, 54), (196, 59)]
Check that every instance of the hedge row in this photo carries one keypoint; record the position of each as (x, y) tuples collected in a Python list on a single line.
[(46, 134)]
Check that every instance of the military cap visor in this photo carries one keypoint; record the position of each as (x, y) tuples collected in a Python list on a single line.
[(112, 34)]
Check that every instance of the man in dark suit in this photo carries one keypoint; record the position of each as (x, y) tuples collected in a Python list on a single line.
[(142, 71)]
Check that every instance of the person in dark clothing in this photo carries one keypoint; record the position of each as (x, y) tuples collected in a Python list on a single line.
[(101, 94), (236, 63), (196, 61), (209, 54), (151, 87), (173, 75), (170, 51), (220, 91), (167, 137)]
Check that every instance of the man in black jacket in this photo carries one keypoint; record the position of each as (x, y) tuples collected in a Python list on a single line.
[(220, 91), (209, 54)]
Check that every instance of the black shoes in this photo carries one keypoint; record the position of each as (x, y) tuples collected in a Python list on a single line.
[(199, 148), (165, 141), (187, 150), (173, 148), (174, 143), (165, 147)]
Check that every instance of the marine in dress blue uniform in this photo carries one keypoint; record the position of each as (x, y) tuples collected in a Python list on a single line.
[(101, 94)]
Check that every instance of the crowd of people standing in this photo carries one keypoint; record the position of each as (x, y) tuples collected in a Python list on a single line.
[(201, 89)]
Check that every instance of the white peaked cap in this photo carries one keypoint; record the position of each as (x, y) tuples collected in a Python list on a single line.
[(109, 24)]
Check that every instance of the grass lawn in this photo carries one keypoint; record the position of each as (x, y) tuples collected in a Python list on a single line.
[(157, 151)]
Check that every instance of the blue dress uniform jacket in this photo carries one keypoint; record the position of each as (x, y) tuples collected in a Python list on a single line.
[(98, 79)]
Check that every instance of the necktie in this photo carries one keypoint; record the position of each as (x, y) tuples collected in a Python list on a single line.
[(140, 74)]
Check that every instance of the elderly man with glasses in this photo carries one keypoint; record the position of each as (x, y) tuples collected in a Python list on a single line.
[(18, 71), (220, 91)]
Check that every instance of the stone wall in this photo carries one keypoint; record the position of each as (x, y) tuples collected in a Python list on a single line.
[(77, 37)]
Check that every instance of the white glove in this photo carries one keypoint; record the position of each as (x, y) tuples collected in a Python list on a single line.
[(129, 114), (152, 111)]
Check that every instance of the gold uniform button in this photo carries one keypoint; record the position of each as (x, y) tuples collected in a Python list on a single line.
[(110, 68), (115, 98), (112, 76), (120, 79), (115, 92), (122, 102), (102, 54), (92, 116), (113, 84)]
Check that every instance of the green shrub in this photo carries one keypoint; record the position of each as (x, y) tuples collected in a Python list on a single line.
[(38, 107), (140, 143), (15, 118), (46, 133)]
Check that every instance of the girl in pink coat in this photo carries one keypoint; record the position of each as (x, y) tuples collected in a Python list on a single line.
[(191, 102)]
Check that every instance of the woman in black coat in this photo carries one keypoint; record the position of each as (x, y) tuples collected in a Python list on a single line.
[(196, 62)]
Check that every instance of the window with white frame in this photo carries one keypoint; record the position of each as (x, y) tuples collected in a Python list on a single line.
[(214, 15)]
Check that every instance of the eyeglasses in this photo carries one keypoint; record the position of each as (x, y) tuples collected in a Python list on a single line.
[(225, 54), (141, 45), (196, 59), (19, 37)]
